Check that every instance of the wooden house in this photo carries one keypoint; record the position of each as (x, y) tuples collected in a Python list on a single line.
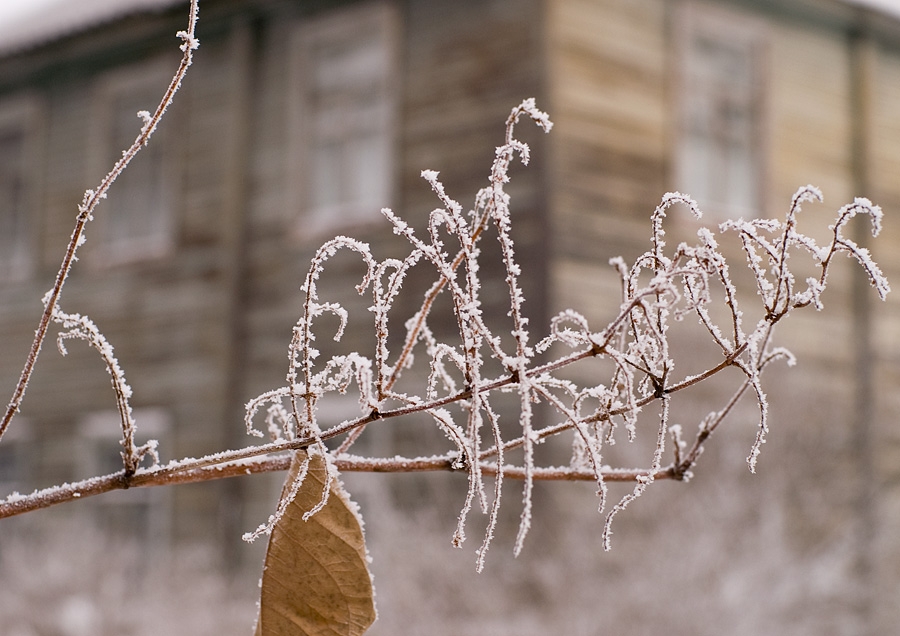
[(301, 119)]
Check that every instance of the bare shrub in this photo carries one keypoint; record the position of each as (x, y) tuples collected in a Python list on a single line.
[(634, 378)]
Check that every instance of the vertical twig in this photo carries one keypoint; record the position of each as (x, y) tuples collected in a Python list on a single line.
[(86, 211)]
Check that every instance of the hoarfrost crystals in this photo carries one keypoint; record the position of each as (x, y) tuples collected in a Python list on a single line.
[(661, 286), (457, 380)]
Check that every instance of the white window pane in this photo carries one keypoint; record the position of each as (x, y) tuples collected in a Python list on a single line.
[(696, 166), (351, 65), (140, 513), (719, 154), (348, 108), (371, 178), (138, 216), (327, 170), (137, 205), (15, 458)]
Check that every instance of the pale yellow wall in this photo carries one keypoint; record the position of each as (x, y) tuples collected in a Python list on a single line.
[(809, 133), (606, 74), (613, 87)]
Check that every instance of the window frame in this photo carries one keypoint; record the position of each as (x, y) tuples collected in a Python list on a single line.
[(338, 25), (693, 19), (18, 448), (25, 111), (153, 76), (98, 433)]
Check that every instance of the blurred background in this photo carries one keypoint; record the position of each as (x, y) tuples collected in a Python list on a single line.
[(298, 121)]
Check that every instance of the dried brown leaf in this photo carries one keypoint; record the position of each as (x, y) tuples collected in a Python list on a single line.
[(316, 579)]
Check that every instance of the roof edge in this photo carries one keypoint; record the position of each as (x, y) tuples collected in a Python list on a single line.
[(62, 18)]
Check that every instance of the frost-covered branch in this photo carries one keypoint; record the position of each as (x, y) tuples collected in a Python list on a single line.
[(661, 287), (83, 328), (458, 381)]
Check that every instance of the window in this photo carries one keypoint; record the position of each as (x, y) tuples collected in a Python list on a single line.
[(15, 449), (137, 220), (18, 120), (143, 513), (720, 132), (344, 105)]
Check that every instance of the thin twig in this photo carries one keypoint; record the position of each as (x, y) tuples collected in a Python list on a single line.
[(150, 477), (86, 210)]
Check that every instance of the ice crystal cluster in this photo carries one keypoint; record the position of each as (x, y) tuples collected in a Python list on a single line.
[(459, 395), (468, 373)]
